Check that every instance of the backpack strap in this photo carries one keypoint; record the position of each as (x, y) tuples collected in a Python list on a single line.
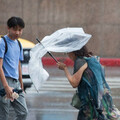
[(6, 48), (19, 44)]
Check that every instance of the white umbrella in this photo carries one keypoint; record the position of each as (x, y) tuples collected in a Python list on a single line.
[(63, 40)]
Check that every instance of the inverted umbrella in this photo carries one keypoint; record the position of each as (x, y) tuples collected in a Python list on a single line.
[(63, 40)]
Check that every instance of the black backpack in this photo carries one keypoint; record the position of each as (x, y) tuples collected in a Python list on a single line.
[(6, 47)]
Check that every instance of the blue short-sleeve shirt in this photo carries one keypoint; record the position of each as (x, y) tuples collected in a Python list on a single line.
[(11, 58)]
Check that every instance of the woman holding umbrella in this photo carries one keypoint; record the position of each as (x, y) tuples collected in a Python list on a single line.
[(93, 91)]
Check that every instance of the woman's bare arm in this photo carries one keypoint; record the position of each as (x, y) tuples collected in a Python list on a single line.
[(75, 78)]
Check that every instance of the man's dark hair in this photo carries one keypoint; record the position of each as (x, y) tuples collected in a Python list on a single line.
[(15, 21)]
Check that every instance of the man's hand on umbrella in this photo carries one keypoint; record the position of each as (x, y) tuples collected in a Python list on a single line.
[(9, 92), (61, 66)]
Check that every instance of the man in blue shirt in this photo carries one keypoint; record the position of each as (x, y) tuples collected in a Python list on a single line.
[(10, 70)]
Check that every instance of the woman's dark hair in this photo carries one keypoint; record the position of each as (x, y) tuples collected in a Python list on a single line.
[(83, 52), (15, 21)]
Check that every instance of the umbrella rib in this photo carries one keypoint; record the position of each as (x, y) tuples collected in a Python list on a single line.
[(47, 51)]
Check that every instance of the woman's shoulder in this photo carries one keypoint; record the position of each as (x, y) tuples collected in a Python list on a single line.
[(96, 58), (82, 59), (79, 62)]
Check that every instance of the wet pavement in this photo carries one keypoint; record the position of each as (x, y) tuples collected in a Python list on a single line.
[(54, 98)]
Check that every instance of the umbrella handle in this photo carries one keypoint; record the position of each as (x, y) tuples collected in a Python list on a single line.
[(47, 51), (52, 56)]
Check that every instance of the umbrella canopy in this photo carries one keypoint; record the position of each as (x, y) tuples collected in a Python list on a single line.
[(63, 40)]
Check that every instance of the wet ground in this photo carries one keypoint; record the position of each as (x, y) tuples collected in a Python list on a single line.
[(54, 98)]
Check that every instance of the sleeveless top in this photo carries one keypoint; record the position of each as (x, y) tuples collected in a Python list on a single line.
[(87, 81)]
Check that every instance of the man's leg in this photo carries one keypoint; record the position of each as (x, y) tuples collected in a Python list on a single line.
[(20, 107), (4, 108), (19, 104)]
